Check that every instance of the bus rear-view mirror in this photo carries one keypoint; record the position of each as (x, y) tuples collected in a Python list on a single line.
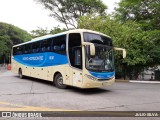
[(92, 50), (121, 49), (91, 46)]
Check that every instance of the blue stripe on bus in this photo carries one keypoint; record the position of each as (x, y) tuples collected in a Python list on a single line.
[(41, 59), (102, 75)]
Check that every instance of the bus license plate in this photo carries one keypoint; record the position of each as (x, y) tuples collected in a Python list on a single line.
[(106, 83)]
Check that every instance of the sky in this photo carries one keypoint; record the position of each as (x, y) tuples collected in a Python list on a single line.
[(29, 15)]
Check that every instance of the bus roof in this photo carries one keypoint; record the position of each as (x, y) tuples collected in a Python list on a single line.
[(59, 34)]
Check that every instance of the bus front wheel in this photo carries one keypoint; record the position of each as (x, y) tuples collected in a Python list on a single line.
[(20, 73), (58, 81)]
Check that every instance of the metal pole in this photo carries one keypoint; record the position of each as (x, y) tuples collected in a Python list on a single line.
[(9, 58), (4, 61)]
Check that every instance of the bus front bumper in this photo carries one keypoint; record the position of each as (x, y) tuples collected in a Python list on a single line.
[(97, 84)]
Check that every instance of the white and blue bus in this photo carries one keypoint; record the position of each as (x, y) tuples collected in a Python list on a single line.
[(80, 58)]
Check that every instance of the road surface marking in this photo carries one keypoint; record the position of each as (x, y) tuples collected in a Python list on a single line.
[(27, 108)]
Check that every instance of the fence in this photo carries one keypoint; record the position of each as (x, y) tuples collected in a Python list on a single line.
[(157, 75)]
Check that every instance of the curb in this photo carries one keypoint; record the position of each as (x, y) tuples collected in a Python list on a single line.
[(134, 81), (121, 80)]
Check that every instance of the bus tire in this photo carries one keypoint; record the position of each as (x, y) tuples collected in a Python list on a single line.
[(58, 81), (20, 74)]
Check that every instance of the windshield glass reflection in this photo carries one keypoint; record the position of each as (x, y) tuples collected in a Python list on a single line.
[(103, 59)]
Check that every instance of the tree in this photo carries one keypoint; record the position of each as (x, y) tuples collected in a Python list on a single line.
[(145, 12), (11, 35), (69, 11), (141, 50), (41, 32), (56, 30)]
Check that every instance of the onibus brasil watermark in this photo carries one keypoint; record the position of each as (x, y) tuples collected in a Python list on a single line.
[(17, 115)]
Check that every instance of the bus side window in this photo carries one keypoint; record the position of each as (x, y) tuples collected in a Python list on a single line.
[(27, 49), (43, 42), (35, 47), (43, 49), (15, 51), (59, 45), (46, 45), (56, 48), (19, 50), (49, 48), (63, 47)]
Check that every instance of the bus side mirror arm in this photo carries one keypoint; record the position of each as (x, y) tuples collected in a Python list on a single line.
[(121, 49), (92, 47)]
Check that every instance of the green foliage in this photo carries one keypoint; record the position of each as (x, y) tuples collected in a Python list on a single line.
[(142, 46), (127, 36), (41, 32), (69, 11), (145, 12), (56, 30), (4, 40), (11, 35)]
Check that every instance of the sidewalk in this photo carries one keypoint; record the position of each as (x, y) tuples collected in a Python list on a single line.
[(138, 81), (3, 68)]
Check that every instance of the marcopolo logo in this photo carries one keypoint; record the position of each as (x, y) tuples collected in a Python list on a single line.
[(90, 77)]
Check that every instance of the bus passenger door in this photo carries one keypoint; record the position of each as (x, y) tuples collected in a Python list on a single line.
[(75, 58), (76, 66)]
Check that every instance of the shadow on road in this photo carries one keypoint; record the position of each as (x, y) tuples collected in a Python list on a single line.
[(69, 88), (36, 80), (88, 91)]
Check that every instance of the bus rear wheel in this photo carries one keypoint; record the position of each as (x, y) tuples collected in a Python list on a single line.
[(58, 81), (20, 73)]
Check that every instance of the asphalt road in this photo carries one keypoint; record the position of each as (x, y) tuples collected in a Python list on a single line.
[(34, 94)]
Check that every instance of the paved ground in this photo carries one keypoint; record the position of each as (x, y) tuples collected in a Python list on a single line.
[(33, 94)]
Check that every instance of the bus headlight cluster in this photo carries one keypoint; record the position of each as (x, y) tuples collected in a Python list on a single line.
[(90, 77)]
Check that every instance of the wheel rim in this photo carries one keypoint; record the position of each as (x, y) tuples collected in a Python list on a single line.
[(60, 81)]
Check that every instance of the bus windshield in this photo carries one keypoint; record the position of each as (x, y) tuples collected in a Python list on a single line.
[(97, 38), (102, 61)]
